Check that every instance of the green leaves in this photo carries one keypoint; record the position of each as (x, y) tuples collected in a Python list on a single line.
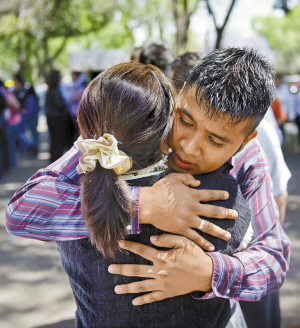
[(283, 34)]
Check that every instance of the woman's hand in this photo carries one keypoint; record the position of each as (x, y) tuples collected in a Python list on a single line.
[(181, 270), (171, 205)]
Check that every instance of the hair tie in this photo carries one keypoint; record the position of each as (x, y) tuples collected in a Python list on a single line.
[(105, 150)]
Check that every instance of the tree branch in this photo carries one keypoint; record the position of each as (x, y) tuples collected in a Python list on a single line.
[(59, 50), (195, 7), (228, 13), (211, 13), (175, 10)]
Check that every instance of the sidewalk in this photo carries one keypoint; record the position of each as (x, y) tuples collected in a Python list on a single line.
[(34, 289)]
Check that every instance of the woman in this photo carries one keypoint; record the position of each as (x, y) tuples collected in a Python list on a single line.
[(15, 131), (124, 120)]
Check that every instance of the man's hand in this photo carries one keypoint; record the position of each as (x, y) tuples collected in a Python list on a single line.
[(181, 270), (172, 206)]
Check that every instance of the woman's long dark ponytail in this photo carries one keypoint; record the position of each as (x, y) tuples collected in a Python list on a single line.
[(106, 207), (134, 103)]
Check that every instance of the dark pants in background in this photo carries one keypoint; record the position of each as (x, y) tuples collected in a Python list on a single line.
[(297, 120), (264, 313), (4, 147), (57, 129)]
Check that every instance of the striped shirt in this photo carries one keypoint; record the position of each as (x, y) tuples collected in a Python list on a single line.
[(47, 208)]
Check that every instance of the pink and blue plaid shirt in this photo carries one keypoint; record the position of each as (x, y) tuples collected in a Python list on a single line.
[(47, 208)]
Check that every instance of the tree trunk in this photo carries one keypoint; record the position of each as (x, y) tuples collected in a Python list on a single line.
[(182, 22), (220, 30), (21, 56), (182, 25), (219, 38)]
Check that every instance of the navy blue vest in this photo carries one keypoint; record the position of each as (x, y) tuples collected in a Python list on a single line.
[(93, 287)]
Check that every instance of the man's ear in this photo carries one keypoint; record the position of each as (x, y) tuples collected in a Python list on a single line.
[(250, 137), (164, 147)]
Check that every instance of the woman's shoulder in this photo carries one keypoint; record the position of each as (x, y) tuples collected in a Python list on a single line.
[(216, 180)]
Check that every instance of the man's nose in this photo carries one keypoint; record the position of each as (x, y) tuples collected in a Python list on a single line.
[(191, 146)]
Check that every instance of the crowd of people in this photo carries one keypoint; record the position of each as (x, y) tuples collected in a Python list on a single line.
[(19, 118), (20, 107), (100, 212)]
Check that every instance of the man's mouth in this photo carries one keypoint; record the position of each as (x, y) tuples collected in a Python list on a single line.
[(181, 163)]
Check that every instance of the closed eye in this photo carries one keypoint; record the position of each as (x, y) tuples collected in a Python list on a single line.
[(184, 122), (215, 143)]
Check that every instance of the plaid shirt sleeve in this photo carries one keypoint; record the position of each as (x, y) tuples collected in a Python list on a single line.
[(262, 267), (48, 206)]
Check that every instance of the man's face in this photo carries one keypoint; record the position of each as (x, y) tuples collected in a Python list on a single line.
[(201, 144)]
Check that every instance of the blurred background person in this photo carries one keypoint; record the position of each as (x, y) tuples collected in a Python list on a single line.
[(29, 103), (297, 112), (181, 66), (4, 145), (71, 94), (265, 313), (16, 135), (76, 93), (285, 97), (135, 54), (279, 113), (57, 116), (270, 118), (157, 54)]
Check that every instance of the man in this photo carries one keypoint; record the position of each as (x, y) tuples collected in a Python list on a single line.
[(226, 96), (285, 96), (216, 114)]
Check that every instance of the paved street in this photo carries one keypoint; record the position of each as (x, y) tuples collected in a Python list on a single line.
[(34, 290)]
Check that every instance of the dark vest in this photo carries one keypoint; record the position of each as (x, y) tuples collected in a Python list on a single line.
[(93, 287)]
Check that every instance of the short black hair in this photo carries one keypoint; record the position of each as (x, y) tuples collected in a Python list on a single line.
[(53, 79), (234, 81), (19, 77), (181, 67), (157, 54)]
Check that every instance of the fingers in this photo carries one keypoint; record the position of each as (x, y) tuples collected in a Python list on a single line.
[(213, 230), (150, 298), (185, 178), (189, 180), (212, 211), (199, 240), (132, 270), (144, 251), (167, 241), (136, 287), (206, 195)]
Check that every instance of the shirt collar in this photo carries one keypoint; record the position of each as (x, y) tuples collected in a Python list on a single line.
[(227, 166)]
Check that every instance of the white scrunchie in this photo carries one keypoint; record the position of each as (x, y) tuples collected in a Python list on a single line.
[(105, 150)]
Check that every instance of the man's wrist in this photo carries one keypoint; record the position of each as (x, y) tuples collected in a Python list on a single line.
[(207, 266), (227, 274)]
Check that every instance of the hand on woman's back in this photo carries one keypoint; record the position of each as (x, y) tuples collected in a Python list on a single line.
[(171, 205)]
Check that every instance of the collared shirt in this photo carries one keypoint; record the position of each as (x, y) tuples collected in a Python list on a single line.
[(262, 267), (47, 207)]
